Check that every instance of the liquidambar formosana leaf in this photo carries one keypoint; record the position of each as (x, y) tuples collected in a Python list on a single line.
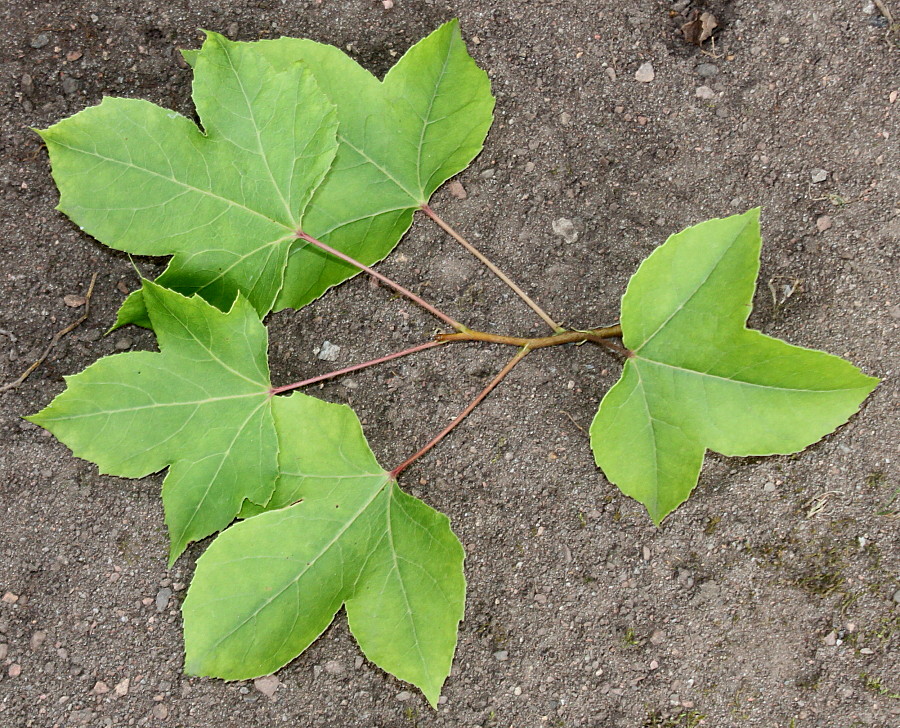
[(699, 379)]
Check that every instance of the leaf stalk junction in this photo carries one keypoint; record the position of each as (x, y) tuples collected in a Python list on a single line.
[(560, 336)]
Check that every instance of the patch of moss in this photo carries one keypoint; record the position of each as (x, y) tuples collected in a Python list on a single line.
[(874, 685), (631, 639), (684, 719), (712, 525), (817, 565)]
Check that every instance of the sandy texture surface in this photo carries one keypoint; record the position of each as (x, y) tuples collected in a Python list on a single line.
[(769, 599)]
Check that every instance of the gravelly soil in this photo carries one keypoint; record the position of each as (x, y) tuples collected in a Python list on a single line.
[(770, 599)]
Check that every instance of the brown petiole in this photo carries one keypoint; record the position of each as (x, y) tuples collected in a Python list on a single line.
[(463, 333), (462, 415), (354, 368), (493, 269), (598, 336), (384, 279)]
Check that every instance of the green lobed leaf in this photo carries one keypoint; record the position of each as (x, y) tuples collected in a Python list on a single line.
[(201, 406), (700, 379), (398, 141), (269, 586), (227, 201)]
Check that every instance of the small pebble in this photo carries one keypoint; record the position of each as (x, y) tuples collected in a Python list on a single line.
[(162, 599), (121, 687), (15, 670), (9, 598), (73, 301), (831, 638), (100, 688), (124, 343), (403, 696), (27, 85), (657, 637), (654, 665), (823, 223), (487, 173), (70, 85), (40, 40), (328, 351), (706, 70), (160, 711), (529, 167), (897, 596), (565, 228), (818, 175), (501, 655), (37, 639), (611, 73), (645, 552), (334, 667), (82, 716), (784, 40), (267, 685), (769, 487), (705, 93), (645, 74), (456, 190)]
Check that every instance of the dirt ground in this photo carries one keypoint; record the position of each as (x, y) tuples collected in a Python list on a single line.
[(772, 598)]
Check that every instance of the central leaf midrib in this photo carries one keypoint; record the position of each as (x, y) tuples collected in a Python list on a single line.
[(259, 145), (683, 303), (199, 190), (389, 528), (741, 382), (263, 382), (650, 420), (310, 563), (155, 405), (427, 117), (223, 456)]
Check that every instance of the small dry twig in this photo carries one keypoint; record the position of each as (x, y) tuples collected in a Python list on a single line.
[(815, 505), (56, 337), (572, 419), (885, 11)]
